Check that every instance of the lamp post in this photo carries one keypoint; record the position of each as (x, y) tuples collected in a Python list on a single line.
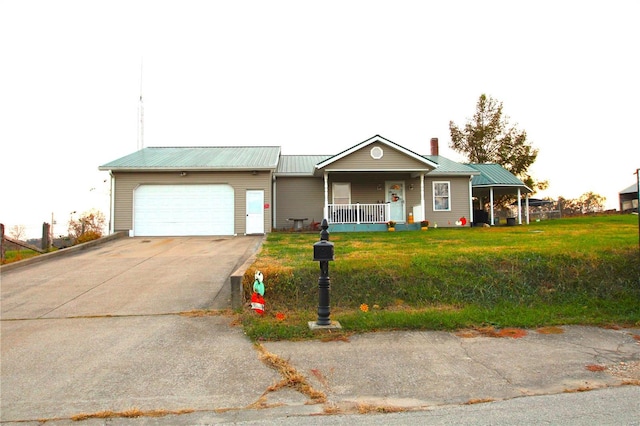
[(323, 253)]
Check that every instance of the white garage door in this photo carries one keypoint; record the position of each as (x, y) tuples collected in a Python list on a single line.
[(173, 210)]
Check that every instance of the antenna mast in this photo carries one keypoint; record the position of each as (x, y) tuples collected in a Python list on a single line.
[(140, 115)]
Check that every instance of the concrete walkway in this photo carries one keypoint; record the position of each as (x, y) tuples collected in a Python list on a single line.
[(117, 328)]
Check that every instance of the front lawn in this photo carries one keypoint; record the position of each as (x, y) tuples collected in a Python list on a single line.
[(569, 271)]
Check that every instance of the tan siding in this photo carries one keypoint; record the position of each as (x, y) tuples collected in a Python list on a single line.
[(126, 183), (298, 197), (391, 160), (459, 193), (304, 197)]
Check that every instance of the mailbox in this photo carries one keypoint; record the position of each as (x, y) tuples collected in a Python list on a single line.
[(323, 251)]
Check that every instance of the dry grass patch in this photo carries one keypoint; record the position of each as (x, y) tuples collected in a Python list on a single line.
[(196, 313), (290, 376), (478, 401), (585, 388), (373, 408), (130, 413), (550, 330), (595, 367), (514, 333)]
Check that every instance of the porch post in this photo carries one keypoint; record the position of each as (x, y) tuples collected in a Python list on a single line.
[(326, 195), (527, 207), (519, 208), (422, 206), (471, 218), (491, 203)]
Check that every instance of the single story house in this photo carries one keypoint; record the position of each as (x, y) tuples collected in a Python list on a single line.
[(172, 191)]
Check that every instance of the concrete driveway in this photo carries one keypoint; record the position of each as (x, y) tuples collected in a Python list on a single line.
[(130, 276), (104, 329)]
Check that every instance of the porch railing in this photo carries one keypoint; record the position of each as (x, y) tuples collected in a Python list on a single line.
[(359, 213)]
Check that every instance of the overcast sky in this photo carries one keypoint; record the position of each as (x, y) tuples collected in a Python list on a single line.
[(311, 77)]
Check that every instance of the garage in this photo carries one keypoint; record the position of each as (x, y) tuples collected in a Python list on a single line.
[(183, 210)]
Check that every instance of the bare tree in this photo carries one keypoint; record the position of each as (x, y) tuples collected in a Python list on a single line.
[(18, 232)]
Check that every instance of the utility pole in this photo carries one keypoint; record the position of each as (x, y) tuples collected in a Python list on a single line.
[(140, 115)]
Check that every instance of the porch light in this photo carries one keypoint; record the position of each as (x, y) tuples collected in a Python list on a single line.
[(183, 174)]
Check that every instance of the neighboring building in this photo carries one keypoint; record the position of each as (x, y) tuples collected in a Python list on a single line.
[(629, 199), (253, 190)]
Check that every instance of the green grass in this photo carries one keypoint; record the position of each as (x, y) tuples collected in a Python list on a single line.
[(571, 271), (16, 255)]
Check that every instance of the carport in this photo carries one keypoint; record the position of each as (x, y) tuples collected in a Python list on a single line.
[(495, 182)]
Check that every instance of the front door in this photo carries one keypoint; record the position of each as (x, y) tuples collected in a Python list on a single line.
[(255, 212), (395, 198)]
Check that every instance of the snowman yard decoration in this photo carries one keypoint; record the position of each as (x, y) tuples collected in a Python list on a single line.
[(257, 298)]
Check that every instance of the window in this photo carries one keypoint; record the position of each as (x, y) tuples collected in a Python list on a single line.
[(341, 193), (441, 196)]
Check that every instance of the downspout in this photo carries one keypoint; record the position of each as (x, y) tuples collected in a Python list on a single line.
[(111, 203), (274, 219), (326, 196)]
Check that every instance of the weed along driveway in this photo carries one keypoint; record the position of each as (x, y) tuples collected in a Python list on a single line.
[(121, 326)]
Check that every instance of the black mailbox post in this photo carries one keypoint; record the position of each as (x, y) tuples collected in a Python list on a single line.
[(323, 253)]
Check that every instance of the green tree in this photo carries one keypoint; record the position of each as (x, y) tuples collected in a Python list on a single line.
[(489, 138), (591, 202)]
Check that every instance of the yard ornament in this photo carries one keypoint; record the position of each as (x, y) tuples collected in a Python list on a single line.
[(257, 298), (462, 221)]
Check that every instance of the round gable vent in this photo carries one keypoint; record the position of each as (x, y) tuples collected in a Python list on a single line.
[(376, 153)]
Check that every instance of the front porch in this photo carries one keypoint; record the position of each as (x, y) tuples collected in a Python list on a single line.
[(376, 213), (371, 227), (361, 217)]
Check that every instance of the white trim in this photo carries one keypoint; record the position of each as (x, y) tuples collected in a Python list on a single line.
[(380, 170), (379, 152), (433, 187), (326, 196), (423, 206), (519, 208), (490, 204), (471, 202)]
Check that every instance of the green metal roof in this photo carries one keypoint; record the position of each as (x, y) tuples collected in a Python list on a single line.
[(495, 175), (299, 165), (449, 167), (197, 158)]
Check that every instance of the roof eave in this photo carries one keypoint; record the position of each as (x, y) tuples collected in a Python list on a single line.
[(188, 169)]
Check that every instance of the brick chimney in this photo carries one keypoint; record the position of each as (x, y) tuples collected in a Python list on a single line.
[(434, 146)]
